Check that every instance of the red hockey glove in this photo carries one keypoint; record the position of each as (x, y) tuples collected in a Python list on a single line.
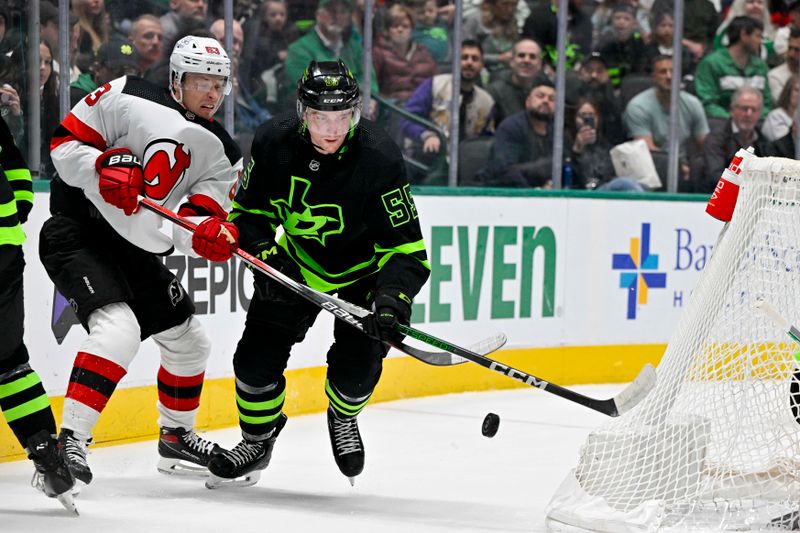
[(121, 179), (389, 308), (215, 239)]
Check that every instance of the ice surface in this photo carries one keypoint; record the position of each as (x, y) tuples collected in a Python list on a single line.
[(428, 469)]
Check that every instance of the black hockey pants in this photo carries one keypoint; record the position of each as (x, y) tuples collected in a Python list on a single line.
[(273, 326)]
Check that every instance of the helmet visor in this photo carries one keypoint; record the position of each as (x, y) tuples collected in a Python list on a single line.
[(329, 122), (202, 94), (220, 84)]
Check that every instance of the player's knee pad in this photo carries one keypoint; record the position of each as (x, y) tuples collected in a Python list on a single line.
[(114, 334), (185, 348)]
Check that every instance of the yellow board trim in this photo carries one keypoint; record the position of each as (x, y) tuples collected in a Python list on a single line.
[(131, 413)]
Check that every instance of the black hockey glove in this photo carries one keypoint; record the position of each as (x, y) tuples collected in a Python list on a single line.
[(273, 255), (389, 308)]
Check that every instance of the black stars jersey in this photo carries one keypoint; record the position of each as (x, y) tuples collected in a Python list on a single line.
[(345, 216)]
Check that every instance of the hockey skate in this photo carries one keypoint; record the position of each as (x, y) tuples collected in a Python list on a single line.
[(76, 451), (245, 461), (52, 475), (185, 453), (348, 449)]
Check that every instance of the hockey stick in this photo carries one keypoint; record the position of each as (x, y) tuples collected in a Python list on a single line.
[(351, 313), (794, 333), (780, 321), (624, 401), (346, 311)]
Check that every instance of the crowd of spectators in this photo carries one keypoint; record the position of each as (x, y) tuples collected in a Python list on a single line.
[(739, 76)]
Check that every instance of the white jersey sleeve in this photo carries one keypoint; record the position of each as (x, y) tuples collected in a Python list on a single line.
[(94, 129)]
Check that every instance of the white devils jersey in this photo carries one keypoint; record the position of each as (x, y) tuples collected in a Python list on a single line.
[(185, 158)]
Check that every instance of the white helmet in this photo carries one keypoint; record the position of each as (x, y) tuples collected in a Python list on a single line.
[(199, 55)]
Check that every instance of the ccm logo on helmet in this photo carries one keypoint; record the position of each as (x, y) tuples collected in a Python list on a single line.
[(212, 50), (332, 100)]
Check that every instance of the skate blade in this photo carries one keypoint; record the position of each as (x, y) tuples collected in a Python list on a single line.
[(177, 467), (68, 501), (248, 480)]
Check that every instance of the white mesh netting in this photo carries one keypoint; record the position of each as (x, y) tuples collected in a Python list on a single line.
[(715, 445)]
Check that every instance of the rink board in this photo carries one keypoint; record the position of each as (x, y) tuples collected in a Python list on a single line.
[(586, 289)]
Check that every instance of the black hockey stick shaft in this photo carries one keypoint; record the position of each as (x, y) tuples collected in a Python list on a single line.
[(345, 311), (611, 406)]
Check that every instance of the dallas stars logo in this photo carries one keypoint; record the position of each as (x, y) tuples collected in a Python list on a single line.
[(308, 221)]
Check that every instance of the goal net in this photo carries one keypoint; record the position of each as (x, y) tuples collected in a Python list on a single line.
[(716, 443)]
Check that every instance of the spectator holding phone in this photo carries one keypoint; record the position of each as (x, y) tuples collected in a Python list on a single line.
[(10, 101), (591, 157)]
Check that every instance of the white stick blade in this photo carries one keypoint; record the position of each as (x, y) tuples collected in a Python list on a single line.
[(634, 393), (772, 313)]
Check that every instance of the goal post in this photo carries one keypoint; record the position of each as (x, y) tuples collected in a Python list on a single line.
[(716, 444)]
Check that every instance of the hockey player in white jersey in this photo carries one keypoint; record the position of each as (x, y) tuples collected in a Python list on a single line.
[(130, 138)]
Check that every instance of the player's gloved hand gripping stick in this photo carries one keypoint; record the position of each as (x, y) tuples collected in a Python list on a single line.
[(354, 315)]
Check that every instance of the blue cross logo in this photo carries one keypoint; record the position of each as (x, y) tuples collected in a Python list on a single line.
[(638, 266)]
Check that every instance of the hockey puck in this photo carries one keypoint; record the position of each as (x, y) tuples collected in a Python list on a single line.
[(490, 425)]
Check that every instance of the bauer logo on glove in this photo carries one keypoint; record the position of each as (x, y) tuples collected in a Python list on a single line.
[(120, 179), (123, 159)]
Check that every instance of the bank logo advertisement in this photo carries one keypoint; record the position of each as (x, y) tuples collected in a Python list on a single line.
[(638, 271)]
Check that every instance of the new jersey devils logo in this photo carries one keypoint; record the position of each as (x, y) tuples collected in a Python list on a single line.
[(165, 166)]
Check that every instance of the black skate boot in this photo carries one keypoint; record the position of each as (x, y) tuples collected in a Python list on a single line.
[(52, 475), (246, 461), (76, 450), (185, 453), (348, 449)]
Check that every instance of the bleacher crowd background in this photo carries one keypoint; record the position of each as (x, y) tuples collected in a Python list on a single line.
[(739, 63)]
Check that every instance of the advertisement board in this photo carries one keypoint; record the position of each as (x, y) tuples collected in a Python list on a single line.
[(548, 272)]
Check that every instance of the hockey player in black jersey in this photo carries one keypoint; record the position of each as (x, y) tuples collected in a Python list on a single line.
[(337, 185), (23, 400), (130, 138)]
